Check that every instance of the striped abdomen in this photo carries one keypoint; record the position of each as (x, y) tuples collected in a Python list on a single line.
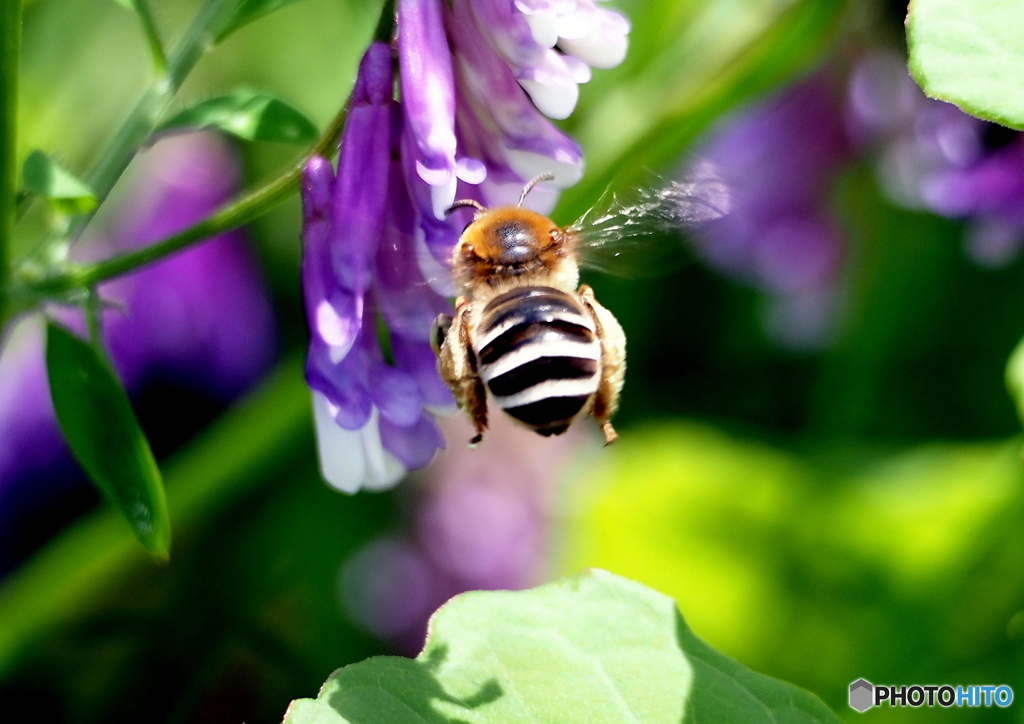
[(539, 356)]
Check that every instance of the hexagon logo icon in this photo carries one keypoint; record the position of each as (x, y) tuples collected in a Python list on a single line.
[(862, 694)]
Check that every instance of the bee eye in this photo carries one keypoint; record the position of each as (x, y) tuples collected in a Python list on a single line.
[(439, 331)]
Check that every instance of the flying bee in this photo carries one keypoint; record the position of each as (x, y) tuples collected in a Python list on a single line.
[(525, 332)]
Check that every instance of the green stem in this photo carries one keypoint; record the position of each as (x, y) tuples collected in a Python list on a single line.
[(151, 107), (30, 290), (10, 57), (156, 48), (386, 24), (250, 206)]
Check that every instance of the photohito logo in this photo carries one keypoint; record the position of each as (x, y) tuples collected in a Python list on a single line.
[(864, 695)]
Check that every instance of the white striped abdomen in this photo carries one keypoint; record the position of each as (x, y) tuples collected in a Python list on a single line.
[(538, 353)]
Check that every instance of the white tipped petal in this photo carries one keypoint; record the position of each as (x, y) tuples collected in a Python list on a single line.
[(432, 176), (606, 53), (541, 199), (351, 460), (340, 450), (382, 470), (579, 70), (556, 102), (579, 24), (471, 170), (337, 331), (544, 29), (527, 165), (442, 196)]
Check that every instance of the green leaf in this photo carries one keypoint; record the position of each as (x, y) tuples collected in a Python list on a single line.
[(44, 176), (971, 53), (244, 12), (815, 566), (249, 115), (591, 648), (100, 427)]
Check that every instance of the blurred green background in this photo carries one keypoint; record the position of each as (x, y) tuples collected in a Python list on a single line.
[(852, 511)]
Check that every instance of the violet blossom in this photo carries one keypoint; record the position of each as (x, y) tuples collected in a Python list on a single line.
[(200, 320), (780, 159), (935, 157), (476, 78)]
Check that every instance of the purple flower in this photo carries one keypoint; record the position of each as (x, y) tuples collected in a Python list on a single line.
[(779, 160), (935, 157), (370, 418), (200, 320), (377, 238), (550, 45)]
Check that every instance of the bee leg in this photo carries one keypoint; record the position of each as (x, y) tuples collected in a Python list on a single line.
[(613, 363), (457, 365), (475, 403)]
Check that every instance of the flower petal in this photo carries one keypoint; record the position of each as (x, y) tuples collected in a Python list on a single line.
[(414, 445), (395, 393), (415, 357), (352, 459), (428, 90)]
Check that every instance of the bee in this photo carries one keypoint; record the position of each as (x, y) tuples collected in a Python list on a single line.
[(525, 333)]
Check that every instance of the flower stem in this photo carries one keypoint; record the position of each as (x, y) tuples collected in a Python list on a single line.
[(248, 207), (31, 289), (150, 108), (386, 24), (10, 57)]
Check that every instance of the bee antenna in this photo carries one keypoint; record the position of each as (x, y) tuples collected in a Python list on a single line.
[(466, 202), (533, 182)]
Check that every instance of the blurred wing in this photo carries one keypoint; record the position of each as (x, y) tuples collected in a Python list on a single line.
[(638, 231)]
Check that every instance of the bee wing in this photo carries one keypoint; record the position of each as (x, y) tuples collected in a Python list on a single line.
[(637, 231)]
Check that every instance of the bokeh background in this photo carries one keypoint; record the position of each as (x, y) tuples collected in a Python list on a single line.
[(818, 456)]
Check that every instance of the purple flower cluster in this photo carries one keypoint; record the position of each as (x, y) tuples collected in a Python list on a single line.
[(935, 157), (478, 80), (201, 320), (779, 160), (479, 522)]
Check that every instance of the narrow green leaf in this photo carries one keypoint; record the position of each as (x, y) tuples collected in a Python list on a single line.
[(249, 115), (592, 648), (100, 427), (43, 176), (245, 11), (971, 53)]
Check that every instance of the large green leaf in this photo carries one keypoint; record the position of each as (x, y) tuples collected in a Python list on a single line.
[(103, 433), (591, 648), (971, 53), (249, 115), (43, 176)]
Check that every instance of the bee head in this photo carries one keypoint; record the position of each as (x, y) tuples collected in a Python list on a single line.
[(508, 241)]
